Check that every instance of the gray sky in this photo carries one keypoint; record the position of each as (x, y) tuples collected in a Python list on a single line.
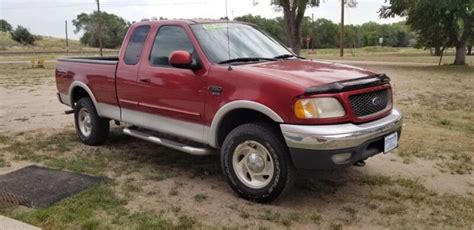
[(46, 17)]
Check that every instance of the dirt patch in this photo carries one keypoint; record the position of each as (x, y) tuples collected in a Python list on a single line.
[(31, 104)]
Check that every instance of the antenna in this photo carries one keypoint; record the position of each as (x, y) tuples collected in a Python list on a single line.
[(228, 38)]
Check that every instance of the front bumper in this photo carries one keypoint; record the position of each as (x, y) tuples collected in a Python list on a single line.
[(315, 146)]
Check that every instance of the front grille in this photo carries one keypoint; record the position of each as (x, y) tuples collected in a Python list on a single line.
[(369, 103)]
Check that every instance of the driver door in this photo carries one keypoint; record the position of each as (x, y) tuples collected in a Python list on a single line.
[(174, 95)]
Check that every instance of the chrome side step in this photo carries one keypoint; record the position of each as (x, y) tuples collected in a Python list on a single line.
[(142, 134)]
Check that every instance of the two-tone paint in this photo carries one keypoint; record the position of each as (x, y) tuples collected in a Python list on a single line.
[(191, 103)]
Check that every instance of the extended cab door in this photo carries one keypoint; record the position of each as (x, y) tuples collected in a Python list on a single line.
[(127, 69), (174, 96)]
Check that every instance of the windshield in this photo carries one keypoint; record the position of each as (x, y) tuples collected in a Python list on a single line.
[(244, 40)]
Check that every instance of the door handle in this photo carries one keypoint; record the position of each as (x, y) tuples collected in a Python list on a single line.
[(145, 80)]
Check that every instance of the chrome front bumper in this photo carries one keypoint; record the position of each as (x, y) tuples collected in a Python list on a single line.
[(340, 136)]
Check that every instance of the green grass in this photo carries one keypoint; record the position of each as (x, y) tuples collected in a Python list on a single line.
[(82, 210), (2, 163), (316, 218), (393, 210), (290, 218), (173, 192), (4, 139), (200, 197), (82, 164), (51, 150), (146, 221), (458, 210), (270, 215), (383, 54), (159, 174), (375, 180), (97, 208)]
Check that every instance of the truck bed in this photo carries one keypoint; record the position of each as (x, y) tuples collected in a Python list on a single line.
[(97, 73), (112, 60)]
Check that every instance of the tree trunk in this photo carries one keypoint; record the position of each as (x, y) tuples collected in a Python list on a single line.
[(293, 31), (460, 54), (293, 14), (437, 51), (469, 50), (441, 56), (297, 40)]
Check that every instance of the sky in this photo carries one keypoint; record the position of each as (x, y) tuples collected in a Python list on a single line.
[(47, 17)]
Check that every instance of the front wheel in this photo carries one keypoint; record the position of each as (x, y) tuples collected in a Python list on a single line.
[(91, 129), (256, 162)]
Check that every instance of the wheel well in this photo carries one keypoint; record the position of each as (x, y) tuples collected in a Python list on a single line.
[(78, 93), (238, 117)]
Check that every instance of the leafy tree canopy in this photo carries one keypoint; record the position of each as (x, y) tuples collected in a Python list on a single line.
[(437, 22), (114, 29), (23, 36), (325, 33), (5, 26), (293, 15)]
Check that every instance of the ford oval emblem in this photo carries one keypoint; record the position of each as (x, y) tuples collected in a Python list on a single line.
[(376, 101)]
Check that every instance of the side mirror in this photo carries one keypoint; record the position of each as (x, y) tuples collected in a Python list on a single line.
[(183, 60)]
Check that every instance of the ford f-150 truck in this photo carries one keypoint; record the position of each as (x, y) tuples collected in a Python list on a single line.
[(203, 87)]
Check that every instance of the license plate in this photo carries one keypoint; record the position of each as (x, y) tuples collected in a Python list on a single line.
[(391, 142)]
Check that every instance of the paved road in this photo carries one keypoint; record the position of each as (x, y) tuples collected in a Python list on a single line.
[(11, 224)]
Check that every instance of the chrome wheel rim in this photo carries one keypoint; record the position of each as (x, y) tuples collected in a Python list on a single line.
[(253, 164), (84, 122)]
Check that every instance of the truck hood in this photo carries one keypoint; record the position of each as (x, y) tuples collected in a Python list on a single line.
[(307, 73)]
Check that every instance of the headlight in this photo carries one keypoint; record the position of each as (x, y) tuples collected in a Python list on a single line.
[(323, 107)]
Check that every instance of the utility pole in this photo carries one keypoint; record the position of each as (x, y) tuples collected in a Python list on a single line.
[(67, 40), (341, 36), (312, 31), (99, 26)]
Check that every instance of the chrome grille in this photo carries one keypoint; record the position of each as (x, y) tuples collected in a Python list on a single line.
[(369, 103)]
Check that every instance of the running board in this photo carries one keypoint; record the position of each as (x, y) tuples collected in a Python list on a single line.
[(148, 136)]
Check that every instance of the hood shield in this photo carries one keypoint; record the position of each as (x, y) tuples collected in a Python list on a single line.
[(347, 85)]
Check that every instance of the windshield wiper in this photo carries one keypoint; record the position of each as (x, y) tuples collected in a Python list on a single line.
[(247, 59), (284, 56)]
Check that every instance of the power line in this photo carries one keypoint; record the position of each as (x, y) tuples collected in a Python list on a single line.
[(104, 4)]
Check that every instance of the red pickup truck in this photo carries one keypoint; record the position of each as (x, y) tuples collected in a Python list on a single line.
[(214, 86)]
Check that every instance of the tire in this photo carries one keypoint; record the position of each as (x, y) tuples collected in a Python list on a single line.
[(239, 162), (93, 130)]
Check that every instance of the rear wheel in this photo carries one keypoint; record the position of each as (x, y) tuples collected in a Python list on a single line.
[(91, 129), (256, 162)]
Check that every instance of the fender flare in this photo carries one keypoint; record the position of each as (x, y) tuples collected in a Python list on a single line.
[(239, 104), (82, 85)]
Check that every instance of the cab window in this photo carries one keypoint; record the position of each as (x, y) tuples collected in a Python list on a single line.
[(135, 45), (167, 40)]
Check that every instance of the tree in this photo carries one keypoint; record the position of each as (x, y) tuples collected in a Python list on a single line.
[(370, 33), (114, 29), (469, 45), (5, 26), (23, 36), (438, 23), (293, 14), (273, 27), (350, 36), (326, 34)]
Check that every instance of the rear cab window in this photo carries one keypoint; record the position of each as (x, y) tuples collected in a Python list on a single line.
[(135, 45)]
